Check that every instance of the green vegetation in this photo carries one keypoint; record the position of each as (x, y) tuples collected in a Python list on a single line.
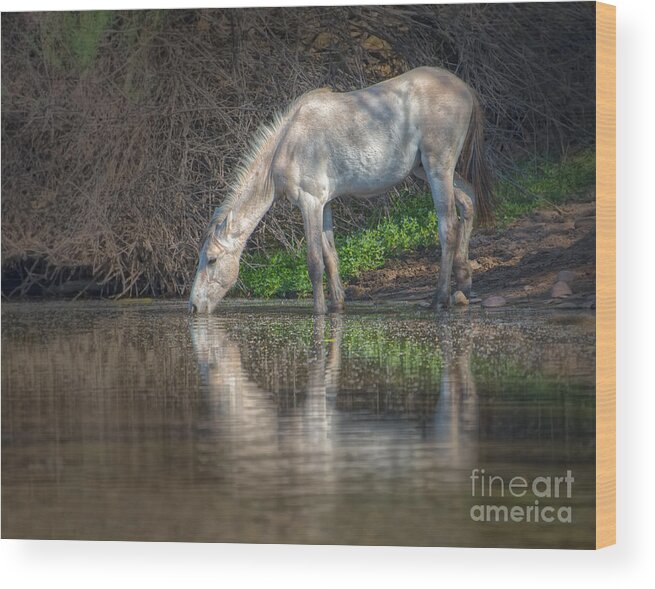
[(70, 39), (544, 182), (412, 224)]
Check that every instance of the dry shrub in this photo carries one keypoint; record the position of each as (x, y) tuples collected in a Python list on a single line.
[(119, 130)]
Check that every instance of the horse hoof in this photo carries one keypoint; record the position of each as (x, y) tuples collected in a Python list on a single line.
[(439, 305)]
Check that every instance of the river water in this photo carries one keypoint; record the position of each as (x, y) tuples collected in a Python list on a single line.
[(263, 423)]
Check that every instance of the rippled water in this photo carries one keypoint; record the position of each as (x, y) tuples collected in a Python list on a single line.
[(264, 423)]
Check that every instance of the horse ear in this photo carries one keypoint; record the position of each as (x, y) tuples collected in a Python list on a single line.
[(228, 223), (223, 232)]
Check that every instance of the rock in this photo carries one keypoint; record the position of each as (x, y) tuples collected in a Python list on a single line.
[(561, 290), (355, 292), (567, 276), (545, 216), (459, 298), (494, 301), (475, 265)]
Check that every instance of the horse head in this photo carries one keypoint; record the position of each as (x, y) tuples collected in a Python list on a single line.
[(218, 266)]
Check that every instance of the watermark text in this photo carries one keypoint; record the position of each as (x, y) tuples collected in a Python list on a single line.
[(540, 499)]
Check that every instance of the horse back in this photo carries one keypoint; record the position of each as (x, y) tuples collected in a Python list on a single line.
[(366, 141)]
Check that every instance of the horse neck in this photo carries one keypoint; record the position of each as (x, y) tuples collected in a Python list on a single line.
[(254, 201)]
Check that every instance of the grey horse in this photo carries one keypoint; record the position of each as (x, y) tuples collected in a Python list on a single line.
[(359, 143)]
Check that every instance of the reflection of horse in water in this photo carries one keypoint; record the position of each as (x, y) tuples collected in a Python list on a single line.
[(258, 427), (301, 449), (276, 418), (232, 405), (456, 417)]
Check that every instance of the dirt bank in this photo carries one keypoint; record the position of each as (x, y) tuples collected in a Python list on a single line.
[(520, 262)]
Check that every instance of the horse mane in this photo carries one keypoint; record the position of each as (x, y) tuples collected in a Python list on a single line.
[(263, 143)]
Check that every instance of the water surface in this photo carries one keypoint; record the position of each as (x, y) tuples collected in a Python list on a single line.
[(263, 423)]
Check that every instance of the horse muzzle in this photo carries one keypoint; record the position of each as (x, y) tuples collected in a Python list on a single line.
[(199, 307)]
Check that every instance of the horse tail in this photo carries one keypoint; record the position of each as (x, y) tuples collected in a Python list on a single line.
[(474, 168)]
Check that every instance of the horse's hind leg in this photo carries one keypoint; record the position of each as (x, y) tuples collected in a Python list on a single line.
[(312, 213), (464, 201), (331, 260), (440, 176)]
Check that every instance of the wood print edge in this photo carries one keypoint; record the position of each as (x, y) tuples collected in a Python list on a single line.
[(606, 275)]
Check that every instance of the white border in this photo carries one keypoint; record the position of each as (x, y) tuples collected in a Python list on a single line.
[(102, 564)]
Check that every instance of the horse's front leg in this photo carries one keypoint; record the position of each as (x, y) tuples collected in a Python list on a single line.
[(312, 213), (331, 260)]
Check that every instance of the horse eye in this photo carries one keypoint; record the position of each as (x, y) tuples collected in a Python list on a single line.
[(211, 261)]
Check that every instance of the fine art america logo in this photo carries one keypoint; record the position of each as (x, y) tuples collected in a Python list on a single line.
[(536, 500)]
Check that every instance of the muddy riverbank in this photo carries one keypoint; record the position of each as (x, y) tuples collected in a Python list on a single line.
[(520, 262)]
